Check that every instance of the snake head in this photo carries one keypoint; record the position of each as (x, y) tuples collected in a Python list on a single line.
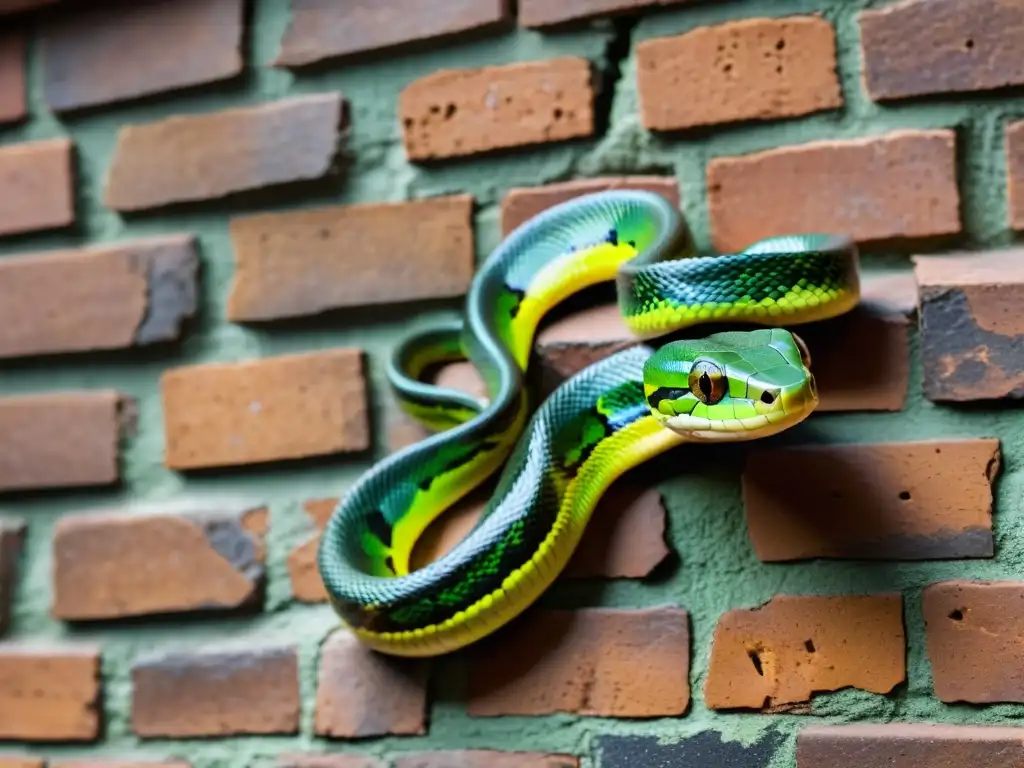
[(731, 386)]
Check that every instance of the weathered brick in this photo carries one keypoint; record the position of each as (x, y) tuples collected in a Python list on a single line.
[(751, 69), (59, 439), (904, 184), (296, 263), (225, 692), (461, 112), (101, 297), (970, 324), (97, 55), (523, 203), (330, 761), (322, 31), (284, 407), (973, 631), (909, 745), (211, 156), (921, 47), (541, 13), (12, 77), (12, 538), (794, 647), (918, 500), (602, 662), (36, 186), (485, 758), (307, 586), (110, 565), (706, 749), (1015, 173), (49, 693), (363, 694)]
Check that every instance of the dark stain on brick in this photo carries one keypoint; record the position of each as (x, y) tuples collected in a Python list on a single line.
[(706, 749), (971, 542), (12, 534), (171, 292)]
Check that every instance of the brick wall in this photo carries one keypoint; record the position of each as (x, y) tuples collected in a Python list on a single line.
[(216, 215)]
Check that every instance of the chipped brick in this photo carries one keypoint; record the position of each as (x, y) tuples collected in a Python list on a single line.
[(361, 693), (284, 407), (101, 297), (12, 538), (485, 758), (919, 500), (461, 112), (323, 31), (751, 69), (1014, 142), (925, 47), (523, 203), (97, 56), (329, 761), (12, 77), (904, 182), (49, 693), (36, 186), (794, 647), (307, 586), (542, 13), (706, 748), (211, 156), (60, 439), (216, 693), (602, 662), (970, 326), (296, 263), (973, 631)]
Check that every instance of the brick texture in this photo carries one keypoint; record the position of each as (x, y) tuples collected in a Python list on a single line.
[(320, 31), (36, 186), (49, 694), (14, 761), (59, 440), (752, 69), (12, 77), (921, 47), (1015, 173), (330, 761), (102, 297), (796, 646), (973, 632), (210, 156), (970, 325), (876, 501), (485, 758), (301, 263), (904, 182), (541, 13), (98, 55), (705, 748), (110, 565), (216, 693), (12, 539), (361, 694), (285, 407), (461, 112), (597, 661)]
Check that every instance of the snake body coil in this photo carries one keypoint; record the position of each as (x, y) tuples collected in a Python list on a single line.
[(608, 418)]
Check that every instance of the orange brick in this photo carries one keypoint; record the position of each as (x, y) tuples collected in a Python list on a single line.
[(12, 77), (752, 69), (459, 112), (1015, 173), (485, 758), (542, 13), (285, 407), (904, 182), (302, 262), (339, 760), (12, 539), (36, 186), (15, 761)]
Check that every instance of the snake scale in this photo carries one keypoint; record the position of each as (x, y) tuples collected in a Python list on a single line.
[(558, 457)]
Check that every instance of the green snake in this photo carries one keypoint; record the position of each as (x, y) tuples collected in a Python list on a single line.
[(557, 458)]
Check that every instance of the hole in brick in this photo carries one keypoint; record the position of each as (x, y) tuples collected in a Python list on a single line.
[(809, 646), (755, 659), (434, 109), (449, 111), (905, 495), (778, 69), (409, 122), (780, 45), (558, 113), (325, 234), (727, 68), (956, 615), (969, 44)]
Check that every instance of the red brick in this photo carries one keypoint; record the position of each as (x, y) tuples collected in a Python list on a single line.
[(297, 263), (101, 297), (602, 662), (485, 758), (15, 761), (49, 693), (461, 112), (36, 186), (98, 55), (329, 761), (1015, 173), (970, 326), (920, 500), (307, 586), (924, 47), (909, 745), (541, 13), (522, 203), (751, 69), (12, 539), (59, 439), (973, 631), (321, 31), (363, 694), (110, 565), (211, 156), (903, 185), (12, 77), (796, 646), (284, 407), (217, 693)]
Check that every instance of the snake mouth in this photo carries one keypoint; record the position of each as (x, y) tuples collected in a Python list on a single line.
[(790, 410)]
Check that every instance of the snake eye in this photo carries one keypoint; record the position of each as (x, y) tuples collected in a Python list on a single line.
[(707, 382)]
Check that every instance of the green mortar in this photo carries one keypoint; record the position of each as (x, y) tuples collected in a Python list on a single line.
[(718, 571)]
